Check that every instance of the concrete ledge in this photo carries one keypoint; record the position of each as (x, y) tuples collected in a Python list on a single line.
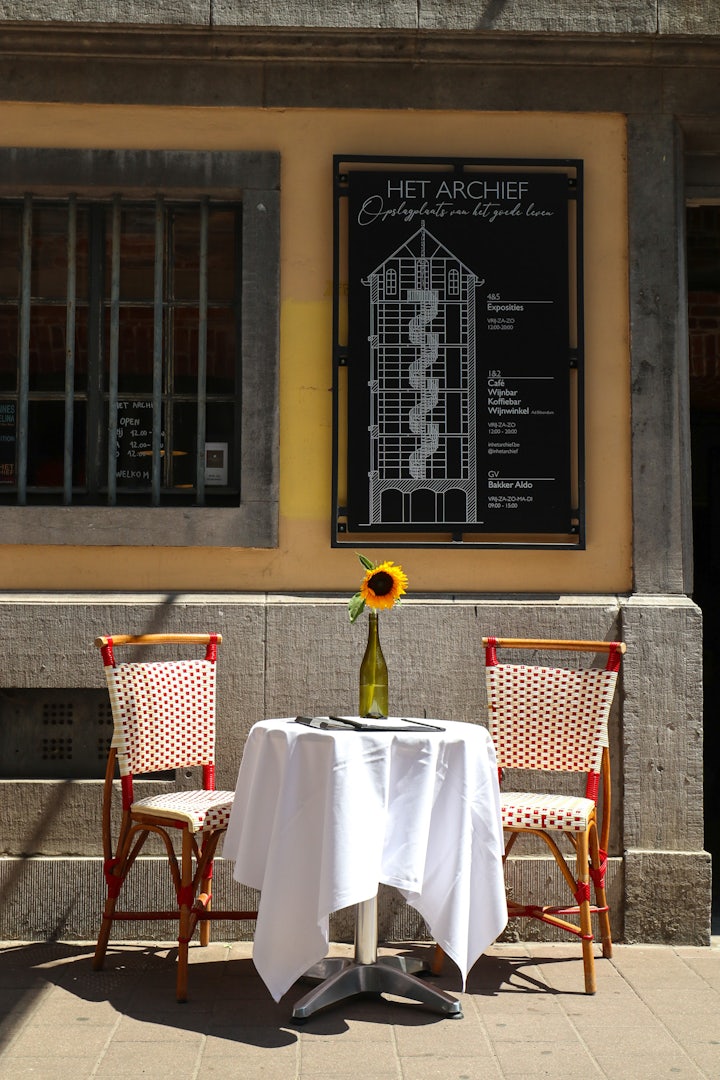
[(48, 899), (384, 68), (655, 897), (53, 899), (537, 880)]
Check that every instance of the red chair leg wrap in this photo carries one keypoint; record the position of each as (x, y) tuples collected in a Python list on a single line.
[(598, 875), (582, 893), (186, 896), (113, 882)]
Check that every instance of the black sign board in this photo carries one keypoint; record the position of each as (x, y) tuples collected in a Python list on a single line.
[(8, 441), (459, 351), (134, 443)]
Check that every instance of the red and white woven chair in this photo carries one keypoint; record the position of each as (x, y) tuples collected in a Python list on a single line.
[(548, 719), (164, 719)]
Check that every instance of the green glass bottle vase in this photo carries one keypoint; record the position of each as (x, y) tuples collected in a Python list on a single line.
[(373, 675)]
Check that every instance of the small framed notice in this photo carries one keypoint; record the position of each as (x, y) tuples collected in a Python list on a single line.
[(216, 463)]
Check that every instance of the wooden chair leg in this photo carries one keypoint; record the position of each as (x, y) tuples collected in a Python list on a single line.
[(601, 898), (583, 897), (604, 921), (104, 935), (206, 888), (185, 905)]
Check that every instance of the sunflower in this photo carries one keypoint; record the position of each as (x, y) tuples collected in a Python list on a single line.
[(381, 588)]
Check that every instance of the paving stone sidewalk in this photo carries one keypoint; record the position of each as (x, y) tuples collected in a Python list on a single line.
[(656, 1014)]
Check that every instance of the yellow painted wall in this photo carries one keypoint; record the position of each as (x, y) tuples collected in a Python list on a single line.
[(307, 140)]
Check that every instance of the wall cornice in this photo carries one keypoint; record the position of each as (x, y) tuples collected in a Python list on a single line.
[(280, 68), (279, 43)]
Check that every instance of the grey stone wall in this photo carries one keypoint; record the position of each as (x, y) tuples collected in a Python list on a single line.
[(652, 61), (287, 654), (652, 17)]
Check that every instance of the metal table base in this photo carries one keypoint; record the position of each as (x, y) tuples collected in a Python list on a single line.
[(367, 973)]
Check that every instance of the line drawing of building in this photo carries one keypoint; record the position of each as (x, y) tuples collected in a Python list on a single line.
[(422, 387)]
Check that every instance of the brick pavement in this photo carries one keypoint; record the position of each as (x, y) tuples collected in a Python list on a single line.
[(656, 1014)]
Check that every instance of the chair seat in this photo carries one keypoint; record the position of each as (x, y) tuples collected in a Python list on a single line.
[(203, 811), (561, 813)]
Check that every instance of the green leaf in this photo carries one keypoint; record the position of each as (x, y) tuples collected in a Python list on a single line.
[(355, 606), (365, 561)]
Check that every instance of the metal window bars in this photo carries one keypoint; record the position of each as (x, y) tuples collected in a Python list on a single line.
[(110, 392)]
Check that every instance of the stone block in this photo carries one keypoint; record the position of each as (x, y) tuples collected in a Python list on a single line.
[(385, 14), (662, 737), (555, 16), (142, 12), (700, 17), (667, 897)]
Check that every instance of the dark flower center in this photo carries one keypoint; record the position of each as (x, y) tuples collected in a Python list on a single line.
[(381, 583)]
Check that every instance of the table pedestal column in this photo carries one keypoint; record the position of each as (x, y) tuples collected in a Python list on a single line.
[(367, 973)]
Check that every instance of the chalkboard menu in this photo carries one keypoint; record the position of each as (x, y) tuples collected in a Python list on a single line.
[(8, 441), (460, 357), (134, 443)]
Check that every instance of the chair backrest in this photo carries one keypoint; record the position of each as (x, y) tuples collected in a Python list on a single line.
[(163, 711), (551, 719)]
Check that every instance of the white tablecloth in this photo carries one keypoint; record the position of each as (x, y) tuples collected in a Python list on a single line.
[(321, 817)]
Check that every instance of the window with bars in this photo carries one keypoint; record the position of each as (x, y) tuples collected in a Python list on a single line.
[(119, 324), (138, 342)]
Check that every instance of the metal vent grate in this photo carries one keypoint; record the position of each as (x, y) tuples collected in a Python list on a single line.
[(54, 734), (56, 749)]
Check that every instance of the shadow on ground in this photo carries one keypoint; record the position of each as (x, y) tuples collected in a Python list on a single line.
[(227, 998)]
